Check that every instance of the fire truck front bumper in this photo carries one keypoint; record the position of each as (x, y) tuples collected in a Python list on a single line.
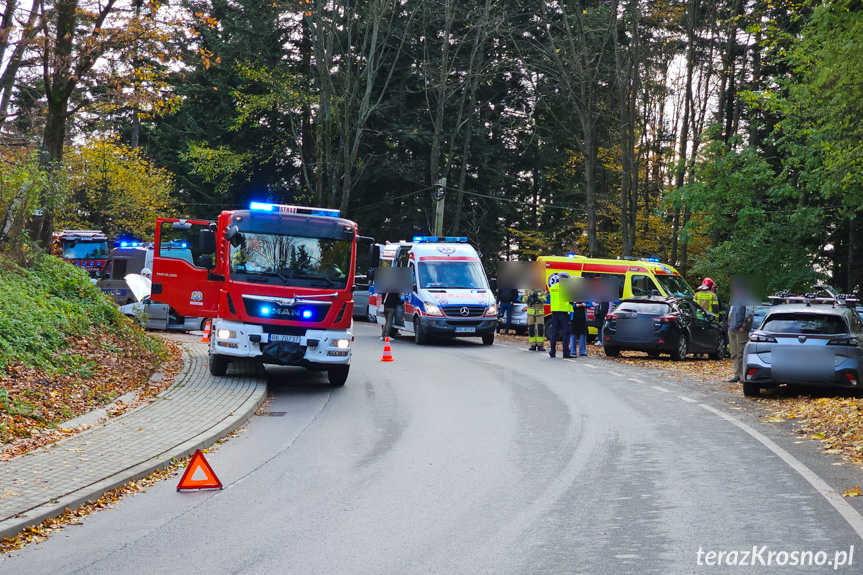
[(313, 348)]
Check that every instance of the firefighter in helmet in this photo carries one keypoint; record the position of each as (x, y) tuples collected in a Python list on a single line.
[(706, 296), (535, 300)]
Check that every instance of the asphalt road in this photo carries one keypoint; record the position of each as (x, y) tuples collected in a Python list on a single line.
[(461, 458)]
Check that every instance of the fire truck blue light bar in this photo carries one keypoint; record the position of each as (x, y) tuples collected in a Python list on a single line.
[(282, 209)]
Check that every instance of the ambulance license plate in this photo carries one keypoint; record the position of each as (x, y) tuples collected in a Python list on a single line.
[(465, 330), (287, 338)]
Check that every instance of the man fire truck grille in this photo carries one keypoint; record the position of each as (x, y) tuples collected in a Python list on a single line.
[(299, 311)]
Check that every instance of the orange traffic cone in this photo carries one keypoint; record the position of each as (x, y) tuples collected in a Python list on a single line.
[(206, 338), (388, 353)]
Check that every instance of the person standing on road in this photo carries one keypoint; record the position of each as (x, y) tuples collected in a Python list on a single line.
[(560, 310), (578, 337), (391, 302), (739, 324), (506, 297), (535, 300), (599, 313)]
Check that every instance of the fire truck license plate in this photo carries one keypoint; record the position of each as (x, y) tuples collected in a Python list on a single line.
[(287, 338), (465, 329)]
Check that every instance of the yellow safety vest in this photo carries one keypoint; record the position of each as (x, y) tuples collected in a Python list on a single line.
[(558, 300)]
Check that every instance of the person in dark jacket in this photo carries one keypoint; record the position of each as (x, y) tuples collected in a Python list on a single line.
[(391, 302), (506, 297), (738, 334), (599, 313), (578, 329)]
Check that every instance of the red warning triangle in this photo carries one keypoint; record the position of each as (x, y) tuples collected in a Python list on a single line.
[(199, 475)]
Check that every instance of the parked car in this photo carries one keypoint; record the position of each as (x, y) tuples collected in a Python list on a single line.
[(160, 316), (519, 318), (759, 313), (361, 299), (656, 325), (804, 344)]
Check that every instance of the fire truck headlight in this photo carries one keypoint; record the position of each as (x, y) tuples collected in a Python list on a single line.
[(341, 343), (226, 334)]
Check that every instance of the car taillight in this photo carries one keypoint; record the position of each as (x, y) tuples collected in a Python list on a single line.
[(665, 319), (751, 372), (611, 317), (758, 338), (851, 378), (850, 342)]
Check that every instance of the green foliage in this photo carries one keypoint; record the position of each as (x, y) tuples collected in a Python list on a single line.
[(115, 189), (45, 306)]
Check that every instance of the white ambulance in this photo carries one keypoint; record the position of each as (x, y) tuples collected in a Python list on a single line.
[(451, 296)]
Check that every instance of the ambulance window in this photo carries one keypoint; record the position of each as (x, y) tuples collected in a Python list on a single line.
[(414, 277), (118, 271), (643, 285), (180, 244)]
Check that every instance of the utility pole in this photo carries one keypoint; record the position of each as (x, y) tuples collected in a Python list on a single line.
[(439, 195)]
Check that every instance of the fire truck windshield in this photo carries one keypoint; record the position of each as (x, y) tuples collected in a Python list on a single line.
[(79, 250), (292, 260)]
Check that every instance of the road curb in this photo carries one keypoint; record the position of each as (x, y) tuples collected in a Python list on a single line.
[(55, 508)]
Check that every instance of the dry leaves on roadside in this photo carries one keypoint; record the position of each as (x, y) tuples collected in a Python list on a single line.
[(32, 403)]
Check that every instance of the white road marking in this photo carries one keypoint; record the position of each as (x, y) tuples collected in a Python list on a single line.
[(687, 399), (614, 373), (590, 366), (636, 380), (657, 388), (854, 519)]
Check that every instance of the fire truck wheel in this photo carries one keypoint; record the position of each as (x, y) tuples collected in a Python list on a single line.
[(338, 375), (218, 364)]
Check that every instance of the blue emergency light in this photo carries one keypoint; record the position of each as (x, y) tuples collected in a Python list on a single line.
[(307, 314), (128, 244), (434, 239), (302, 210), (653, 260), (265, 310), (570, 255)]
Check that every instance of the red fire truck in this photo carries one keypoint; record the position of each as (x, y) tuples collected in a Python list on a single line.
[(277, 281), (87, 249)]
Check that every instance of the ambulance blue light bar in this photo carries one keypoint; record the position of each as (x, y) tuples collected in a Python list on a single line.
[(434, 239), (301, 210)]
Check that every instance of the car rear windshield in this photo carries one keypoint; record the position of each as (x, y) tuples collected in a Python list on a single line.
[(642, 308), (803, 323)]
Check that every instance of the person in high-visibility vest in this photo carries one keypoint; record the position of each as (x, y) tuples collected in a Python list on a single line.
[(706, 296), (560, 309), (535, 300)]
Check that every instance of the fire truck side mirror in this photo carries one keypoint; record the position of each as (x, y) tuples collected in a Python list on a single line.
[(205, 262), (207, 241)]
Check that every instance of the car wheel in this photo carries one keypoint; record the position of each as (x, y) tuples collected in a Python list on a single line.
[(338, 375), (218, 364), (719, 352), (681, 349), (372, 317), (612, 351), (520, 330), (488, 339), (420, 337), (751, 389)]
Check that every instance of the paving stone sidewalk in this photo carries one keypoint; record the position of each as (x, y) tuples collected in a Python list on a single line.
[(195, 412)]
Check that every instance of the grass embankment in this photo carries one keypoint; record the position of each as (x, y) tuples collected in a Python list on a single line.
[(64, 348)]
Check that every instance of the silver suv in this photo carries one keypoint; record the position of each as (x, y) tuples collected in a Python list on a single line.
[(805, 344)]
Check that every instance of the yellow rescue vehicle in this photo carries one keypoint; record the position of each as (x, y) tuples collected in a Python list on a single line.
[(635, 277)]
